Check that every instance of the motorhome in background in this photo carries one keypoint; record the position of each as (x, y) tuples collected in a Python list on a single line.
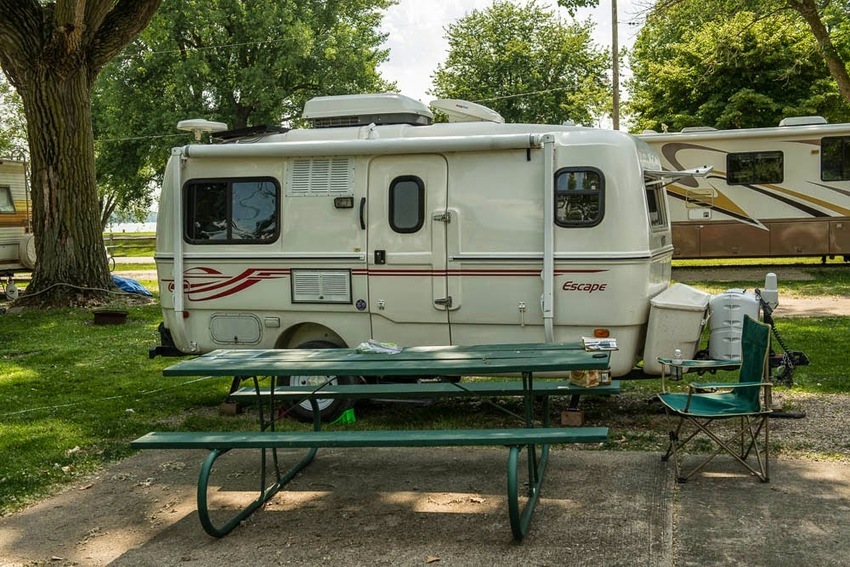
[(377, 224), (781, 191), (17, 247)]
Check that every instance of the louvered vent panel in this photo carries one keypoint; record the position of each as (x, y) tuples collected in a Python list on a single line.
[(314, 286), (299, 182), (341, 174), (321, 177)]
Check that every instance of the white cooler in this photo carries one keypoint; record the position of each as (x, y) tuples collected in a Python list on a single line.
[(677, 317)]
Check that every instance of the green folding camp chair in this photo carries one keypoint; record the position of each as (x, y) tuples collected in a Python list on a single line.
[(748, 400)]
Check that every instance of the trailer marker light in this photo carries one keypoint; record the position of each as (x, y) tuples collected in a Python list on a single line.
[(601, 333)]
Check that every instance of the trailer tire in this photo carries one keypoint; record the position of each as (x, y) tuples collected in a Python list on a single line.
[(330, 410)]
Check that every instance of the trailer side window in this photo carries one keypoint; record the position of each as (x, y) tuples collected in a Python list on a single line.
[(407, 204), (579, 196), (835, 158), (243, 211), (7, 205), (655, 203), (755, 167)]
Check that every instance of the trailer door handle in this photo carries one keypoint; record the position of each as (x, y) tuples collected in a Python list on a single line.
[(362, 213), (444, 302)]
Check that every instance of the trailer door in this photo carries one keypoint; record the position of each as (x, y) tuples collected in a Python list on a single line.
[(406, 219)]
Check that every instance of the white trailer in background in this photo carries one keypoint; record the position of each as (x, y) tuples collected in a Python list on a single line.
[(782, 191), (17, 247), (377, 224)]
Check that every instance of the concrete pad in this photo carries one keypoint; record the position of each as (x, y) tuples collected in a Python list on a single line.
[(801, 517)]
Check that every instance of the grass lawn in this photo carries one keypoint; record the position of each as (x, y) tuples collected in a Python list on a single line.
[(73, 394)]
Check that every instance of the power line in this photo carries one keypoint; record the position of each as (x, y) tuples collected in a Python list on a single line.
[(140, 138), (203, 48), (519, 95), (108, 398)]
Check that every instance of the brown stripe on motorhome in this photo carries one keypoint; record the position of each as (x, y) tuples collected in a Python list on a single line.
[(813, 200)]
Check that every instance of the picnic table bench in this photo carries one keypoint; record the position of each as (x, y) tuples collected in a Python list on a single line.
[(488, 360)]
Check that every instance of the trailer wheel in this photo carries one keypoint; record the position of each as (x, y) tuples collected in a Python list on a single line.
[(329, 409)]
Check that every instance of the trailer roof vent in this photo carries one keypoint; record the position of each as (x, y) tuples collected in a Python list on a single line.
[(802, 121), (687, 129), (362, 110), (464, 111)]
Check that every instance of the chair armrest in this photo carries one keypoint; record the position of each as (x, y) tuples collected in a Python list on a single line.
[(728, 385), (699, 364), (679, 366)]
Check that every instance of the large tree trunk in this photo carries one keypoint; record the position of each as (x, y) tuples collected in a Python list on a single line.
[(831, 57), (52, 52), (68, 237)]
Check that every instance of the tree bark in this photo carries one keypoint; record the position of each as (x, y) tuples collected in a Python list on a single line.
[(809, 10), (69, 241)]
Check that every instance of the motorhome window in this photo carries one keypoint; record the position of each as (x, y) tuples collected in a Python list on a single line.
[(579, 196), (243, 211), (835, 158), (407, 204), (7, 205), (755, 167), (655, 204)]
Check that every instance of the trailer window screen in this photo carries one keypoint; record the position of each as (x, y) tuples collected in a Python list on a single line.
[(407, 204), (755, 167), (835, 158), (7, 205), (579, 196), (243, 211)]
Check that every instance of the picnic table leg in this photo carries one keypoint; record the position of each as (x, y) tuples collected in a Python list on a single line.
[(521, 518), (266, 492), (528, 403)]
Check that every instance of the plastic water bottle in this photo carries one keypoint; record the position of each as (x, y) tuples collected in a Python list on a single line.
[(677, 365)]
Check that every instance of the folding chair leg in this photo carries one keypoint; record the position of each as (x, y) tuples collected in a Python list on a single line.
[(675, 444), (747, 436)]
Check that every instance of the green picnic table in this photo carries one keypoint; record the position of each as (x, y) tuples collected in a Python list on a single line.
[(522, 360)]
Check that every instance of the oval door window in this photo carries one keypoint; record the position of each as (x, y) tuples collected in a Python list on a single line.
[(407, 204)]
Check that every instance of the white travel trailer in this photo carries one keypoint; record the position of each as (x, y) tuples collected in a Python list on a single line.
[(377, 224), (17, 247), (782, 191)]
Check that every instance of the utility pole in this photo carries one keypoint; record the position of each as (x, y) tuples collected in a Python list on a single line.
[(615, 82)]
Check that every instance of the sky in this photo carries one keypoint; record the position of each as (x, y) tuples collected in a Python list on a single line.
[(417, 43)]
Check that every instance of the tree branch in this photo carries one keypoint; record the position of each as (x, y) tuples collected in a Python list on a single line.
[(68, 23), (117, 28), (96, 11), (20, 25), (837, 68), (107, 207)]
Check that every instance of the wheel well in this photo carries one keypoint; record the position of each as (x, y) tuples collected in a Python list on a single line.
[(300, 334)]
